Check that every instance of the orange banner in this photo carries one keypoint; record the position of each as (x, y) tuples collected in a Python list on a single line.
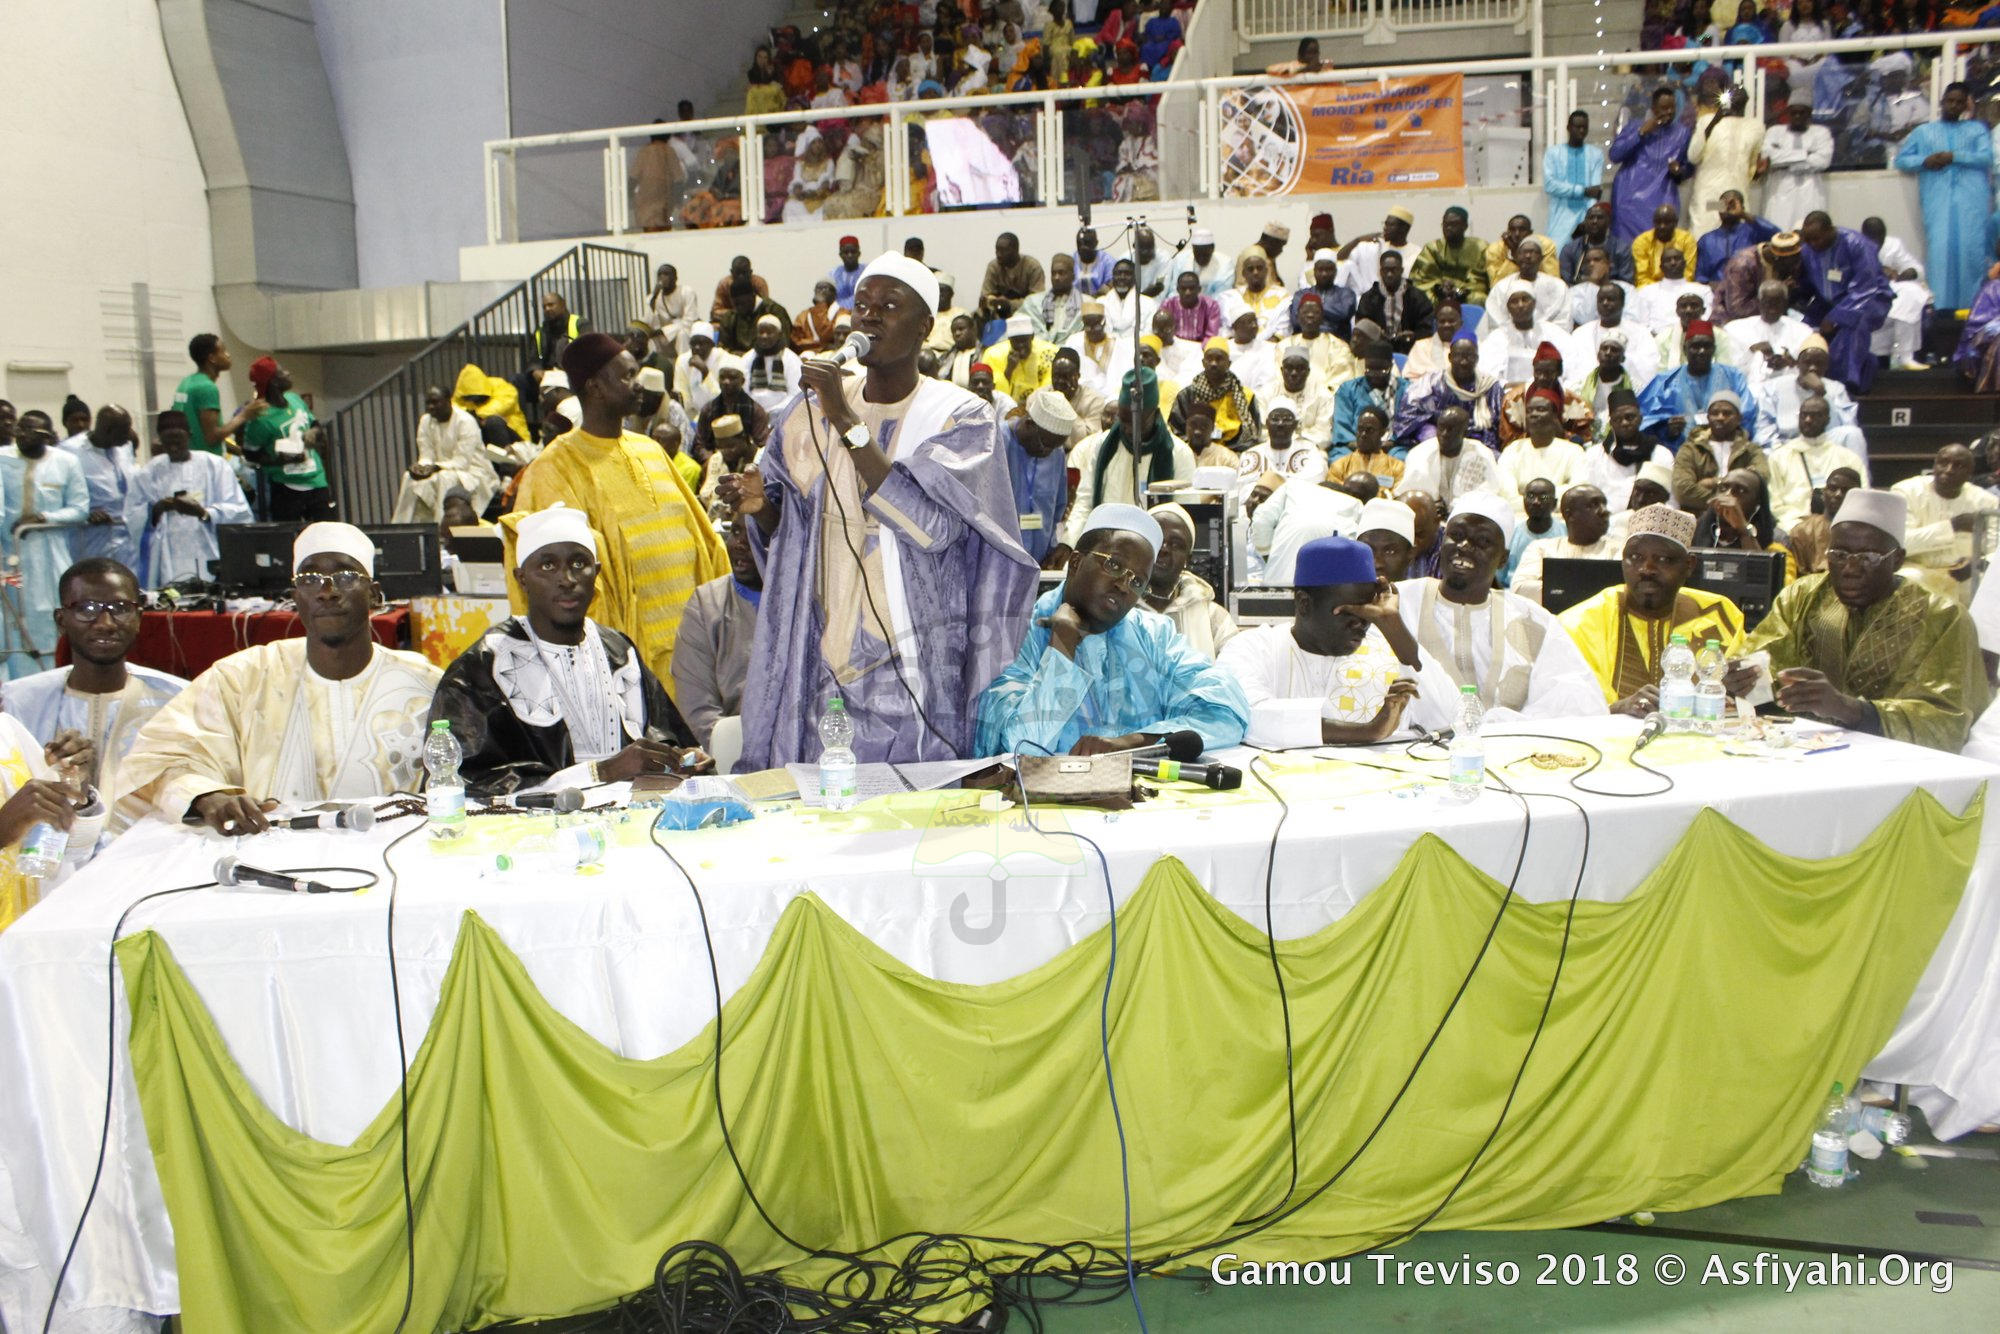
[(1405, 134)]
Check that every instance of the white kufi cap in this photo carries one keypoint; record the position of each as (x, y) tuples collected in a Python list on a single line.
[(917, 277), (544, 528), (1125, 518), (1390, 516), (340, 539), (1884, 511), (1487, 506)]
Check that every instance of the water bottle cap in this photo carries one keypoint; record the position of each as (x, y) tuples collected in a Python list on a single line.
[(835, 706), (1468, 690), (441, 725), (1714, 642), (1678, 639)]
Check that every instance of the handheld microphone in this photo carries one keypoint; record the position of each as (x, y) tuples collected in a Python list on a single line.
[(233, 874), (1221, 777), (1656, 723), (360, 818), (857, 346), (562, 802), (1184, 746)]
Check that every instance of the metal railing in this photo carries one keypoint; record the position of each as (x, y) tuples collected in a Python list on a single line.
[(374, 437), (1377, 20), (1559, 85)]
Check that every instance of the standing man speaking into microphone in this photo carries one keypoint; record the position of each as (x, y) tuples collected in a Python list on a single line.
[(882, 516)]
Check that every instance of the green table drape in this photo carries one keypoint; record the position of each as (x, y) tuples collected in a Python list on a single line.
[(1696, 1028)]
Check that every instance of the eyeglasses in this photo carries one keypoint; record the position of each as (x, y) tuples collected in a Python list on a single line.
[(1873, 560), (345, 581), (583, 567), (1132, 579), (91, 609)]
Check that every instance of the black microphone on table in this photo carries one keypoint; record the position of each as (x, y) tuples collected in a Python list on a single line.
[(1221, 777), (233, 874), (562, 801), (1656, 723), (1184, 746), (360, 818)]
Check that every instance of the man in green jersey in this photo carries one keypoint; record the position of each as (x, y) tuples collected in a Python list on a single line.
[(282, 442), (200, 397)]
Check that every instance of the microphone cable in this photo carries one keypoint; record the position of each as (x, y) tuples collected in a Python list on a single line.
[(402, 1077), (110, 1082)]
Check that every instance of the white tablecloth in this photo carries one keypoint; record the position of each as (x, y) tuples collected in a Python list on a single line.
[(299, 987)]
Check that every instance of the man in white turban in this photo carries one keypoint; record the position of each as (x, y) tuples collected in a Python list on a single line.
[(331, 716)]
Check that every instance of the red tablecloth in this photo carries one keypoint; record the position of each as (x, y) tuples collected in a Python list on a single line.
[(186, 642)]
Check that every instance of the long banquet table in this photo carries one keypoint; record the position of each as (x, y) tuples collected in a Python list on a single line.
[(864, 947)]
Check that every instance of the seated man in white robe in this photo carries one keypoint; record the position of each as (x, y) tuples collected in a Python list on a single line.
[(1801, 465), (175, 504), (1902, 332), (99, 697), (450, 454), (1767, 343), (1781, 395), (1297, 512), (332, 716), (1659, 302), (1347, 670), (1586, 520), (1516, 653)]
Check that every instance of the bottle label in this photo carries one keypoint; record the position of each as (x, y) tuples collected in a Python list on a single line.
[(1677, 699), (1829, 1155), (1708, 707), (1469, 770), (446, 805)]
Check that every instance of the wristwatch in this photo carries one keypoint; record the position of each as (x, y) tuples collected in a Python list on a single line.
[(856, 436)]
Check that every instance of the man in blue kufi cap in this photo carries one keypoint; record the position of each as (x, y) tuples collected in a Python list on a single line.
[(1346, 671)]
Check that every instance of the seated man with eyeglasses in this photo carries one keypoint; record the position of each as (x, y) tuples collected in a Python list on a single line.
[(99, 699), (332, 716), (1869, 648), (1097, 671), (552, 699)]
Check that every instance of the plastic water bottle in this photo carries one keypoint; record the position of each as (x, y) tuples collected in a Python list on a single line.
[(1468, 747), (42, 851), (1711, 701), (1827, 1164), (445, 794), (1677, 685), (836, 758), (1884, 1123), (563, 851)]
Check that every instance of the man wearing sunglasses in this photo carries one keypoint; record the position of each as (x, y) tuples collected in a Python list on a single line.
[(99, 700), (1868, 648), (1097, 672), (332, 716), (552, 699)]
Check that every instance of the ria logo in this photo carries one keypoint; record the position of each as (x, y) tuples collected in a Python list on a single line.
[(1355, 175)]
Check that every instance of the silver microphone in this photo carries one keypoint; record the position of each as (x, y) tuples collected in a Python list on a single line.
[(1656, 723), (855, 348), (359, 818)]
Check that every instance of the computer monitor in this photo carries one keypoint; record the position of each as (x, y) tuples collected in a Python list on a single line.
[(1568, 580), (1750, 579), (409, 560), (255, 559)]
